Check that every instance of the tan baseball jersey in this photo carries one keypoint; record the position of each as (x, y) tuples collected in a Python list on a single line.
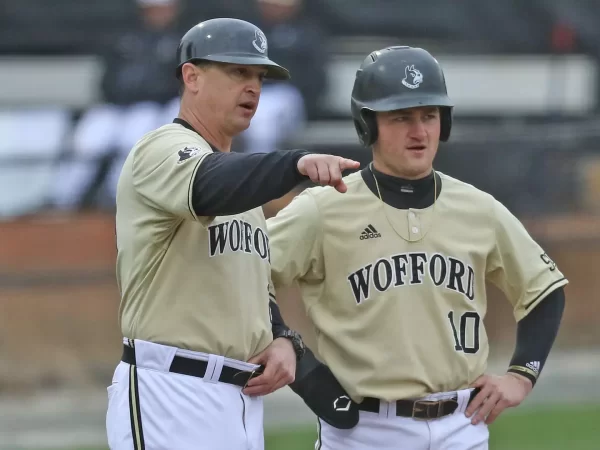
[(397, 297), (199, 283)]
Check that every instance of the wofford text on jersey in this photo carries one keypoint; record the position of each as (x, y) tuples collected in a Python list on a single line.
[(238, 236), (407, 269)]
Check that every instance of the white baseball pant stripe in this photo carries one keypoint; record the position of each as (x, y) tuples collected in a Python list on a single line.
[(386, 431), (150, 408)]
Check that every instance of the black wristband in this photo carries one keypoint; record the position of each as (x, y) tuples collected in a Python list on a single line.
[(526, 372)]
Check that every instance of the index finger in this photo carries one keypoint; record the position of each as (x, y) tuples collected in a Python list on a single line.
[(346, 163), (477, 401)]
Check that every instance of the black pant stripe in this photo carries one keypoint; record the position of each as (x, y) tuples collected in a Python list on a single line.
[(243, 412), (131, 406), (319, 442), (135, 412)]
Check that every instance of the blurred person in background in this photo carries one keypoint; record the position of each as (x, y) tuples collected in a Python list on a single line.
[(139, 93), (285, 106)]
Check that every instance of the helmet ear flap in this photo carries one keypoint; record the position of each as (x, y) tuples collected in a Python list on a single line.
[(366, 127), (445, 123)]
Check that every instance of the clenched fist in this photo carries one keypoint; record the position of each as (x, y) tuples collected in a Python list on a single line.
[(326, 169), (279, 360)]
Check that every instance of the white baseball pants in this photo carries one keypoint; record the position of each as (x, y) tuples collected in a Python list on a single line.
[(386, 431), (150, 408)]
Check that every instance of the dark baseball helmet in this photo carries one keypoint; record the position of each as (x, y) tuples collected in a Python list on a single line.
[(231, 41), (398, 78)]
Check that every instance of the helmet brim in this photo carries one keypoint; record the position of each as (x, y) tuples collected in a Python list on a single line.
[(274, 70), (402, 102)]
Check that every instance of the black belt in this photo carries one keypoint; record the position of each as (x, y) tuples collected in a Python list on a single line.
[(418, 409), (197, 368)]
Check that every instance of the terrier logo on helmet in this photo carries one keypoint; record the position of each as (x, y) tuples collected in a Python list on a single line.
[(415, 76), (260, 41)]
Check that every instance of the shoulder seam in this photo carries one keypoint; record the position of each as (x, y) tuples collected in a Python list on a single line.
[(493, 219), (191, 186)]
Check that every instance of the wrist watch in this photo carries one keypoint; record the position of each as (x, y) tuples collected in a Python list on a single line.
[(296, 340)]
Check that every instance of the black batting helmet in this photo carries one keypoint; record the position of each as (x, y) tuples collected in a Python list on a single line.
[(398, 78), (231, 41)]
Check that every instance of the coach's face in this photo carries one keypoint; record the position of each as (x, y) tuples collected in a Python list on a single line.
[(407, 141), (229, 93)]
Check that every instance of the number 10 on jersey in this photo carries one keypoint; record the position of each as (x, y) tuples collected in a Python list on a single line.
[(466, 331)]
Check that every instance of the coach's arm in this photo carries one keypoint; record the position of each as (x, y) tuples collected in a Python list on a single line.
[(230, 183)]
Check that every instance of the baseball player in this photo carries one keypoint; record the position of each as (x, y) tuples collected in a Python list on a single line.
[(203, 338), (393, 275)]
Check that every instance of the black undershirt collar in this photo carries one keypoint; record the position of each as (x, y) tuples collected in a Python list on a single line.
[(186, 124), (400, 193)]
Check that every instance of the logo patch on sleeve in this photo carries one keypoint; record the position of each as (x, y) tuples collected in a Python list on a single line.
[(187, 153)]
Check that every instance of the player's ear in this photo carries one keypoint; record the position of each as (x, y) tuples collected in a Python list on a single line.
[(189, 77)]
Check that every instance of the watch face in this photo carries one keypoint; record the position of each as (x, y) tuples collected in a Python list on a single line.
[(297, 342)]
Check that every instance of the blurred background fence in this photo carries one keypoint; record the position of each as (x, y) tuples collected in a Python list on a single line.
[(81, 81)]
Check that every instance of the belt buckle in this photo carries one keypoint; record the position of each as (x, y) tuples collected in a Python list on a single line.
[(427, 406), (256, 372), (433, 409)]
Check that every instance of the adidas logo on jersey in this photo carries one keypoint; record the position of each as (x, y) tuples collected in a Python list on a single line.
[(534, 365), (369, 233)]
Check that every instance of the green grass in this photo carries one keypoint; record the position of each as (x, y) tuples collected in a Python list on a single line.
[(559, 428), (564, 428)]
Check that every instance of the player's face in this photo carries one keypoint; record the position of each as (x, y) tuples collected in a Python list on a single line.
[(231, 93), (407, 141)]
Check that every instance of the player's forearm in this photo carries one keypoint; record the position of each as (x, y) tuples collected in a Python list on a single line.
[(277, 323), (536, 334), (231, 183)]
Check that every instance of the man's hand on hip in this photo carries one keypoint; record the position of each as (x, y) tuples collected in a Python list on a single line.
[(497, 393), (326, 169), (279, 360)]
